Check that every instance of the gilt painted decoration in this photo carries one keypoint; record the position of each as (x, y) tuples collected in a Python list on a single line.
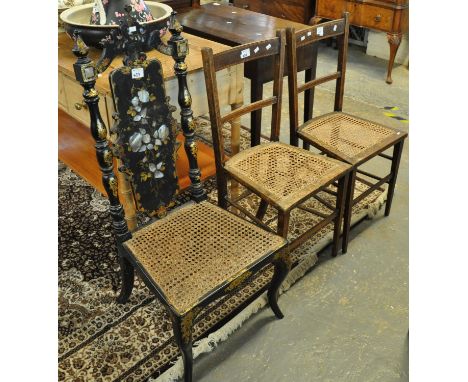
[(145, 134)]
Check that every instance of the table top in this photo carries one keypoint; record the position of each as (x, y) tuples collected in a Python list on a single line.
[(194, 62), (231, 25)]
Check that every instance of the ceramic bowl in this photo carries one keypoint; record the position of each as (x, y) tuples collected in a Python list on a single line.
[(78, 18)]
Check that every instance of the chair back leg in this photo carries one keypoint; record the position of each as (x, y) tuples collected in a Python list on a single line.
[(262, 208), (340, 204)]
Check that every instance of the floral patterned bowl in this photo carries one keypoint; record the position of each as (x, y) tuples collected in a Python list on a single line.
[(78, 19)]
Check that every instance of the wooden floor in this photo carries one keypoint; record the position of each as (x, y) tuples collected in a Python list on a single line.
[(76, 150)]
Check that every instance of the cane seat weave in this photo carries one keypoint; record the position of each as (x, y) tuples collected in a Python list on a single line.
[(198, 248), (282, 173), (347, 137)]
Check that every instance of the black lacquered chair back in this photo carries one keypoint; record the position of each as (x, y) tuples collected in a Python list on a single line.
[(145, 134)]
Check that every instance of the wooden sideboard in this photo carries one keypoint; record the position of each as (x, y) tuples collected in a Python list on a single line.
[(389, 16), (295, 10)]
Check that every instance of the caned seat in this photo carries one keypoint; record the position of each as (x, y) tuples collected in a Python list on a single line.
[(283, 174), (230, 245), (347, 137)]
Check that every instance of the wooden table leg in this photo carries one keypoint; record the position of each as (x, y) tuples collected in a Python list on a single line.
[(394, 40)]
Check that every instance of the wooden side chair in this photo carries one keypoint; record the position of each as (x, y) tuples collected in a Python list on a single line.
[(281, 175), (340, 135), (196, 253)]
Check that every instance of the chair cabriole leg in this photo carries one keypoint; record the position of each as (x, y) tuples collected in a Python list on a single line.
[(127, 272), (397, 150), (282, 264)]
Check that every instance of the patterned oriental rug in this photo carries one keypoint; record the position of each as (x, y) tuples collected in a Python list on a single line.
[(100, 340)]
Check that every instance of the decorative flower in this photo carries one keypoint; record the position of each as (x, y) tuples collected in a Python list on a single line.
[(161, 135), (140, 141), (156, 169), (141, 116), (143, 96)]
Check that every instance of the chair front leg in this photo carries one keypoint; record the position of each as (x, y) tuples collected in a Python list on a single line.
[(282, 264), (127, 272), (340, 203), (283, 223), (397, 150), (182, 327), (348, 211)]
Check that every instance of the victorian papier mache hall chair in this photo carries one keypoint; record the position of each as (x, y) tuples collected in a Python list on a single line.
[(195, 253), (281, 175), (340, 135)]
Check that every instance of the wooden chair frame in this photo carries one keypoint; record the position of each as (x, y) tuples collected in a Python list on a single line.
[(340, 30), (274, 47), (182, 320)]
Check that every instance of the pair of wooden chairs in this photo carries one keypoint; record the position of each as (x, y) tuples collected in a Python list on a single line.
[(194, 254), (284, 176), (280, 175)]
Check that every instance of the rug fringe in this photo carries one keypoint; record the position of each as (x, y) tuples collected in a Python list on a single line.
[(208, 344), (375, 206)]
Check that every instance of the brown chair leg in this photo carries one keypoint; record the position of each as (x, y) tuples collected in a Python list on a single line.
[(305, 145), (262, 208), (182, 327), (348, 211), (340, 203), (282, 265), (283, 223), (397, 150), (127, 272), (222, 187)]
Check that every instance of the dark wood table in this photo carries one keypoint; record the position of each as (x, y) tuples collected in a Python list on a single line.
[(234, 26)]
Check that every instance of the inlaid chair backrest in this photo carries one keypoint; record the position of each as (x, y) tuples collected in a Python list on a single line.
[(145, 134), (212, 63), (338, 29)]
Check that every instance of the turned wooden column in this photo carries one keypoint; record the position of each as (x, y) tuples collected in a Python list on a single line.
[(86, 75), (179, 49)]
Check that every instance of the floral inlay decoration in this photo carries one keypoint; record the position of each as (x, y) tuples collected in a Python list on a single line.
[(145, 136)]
